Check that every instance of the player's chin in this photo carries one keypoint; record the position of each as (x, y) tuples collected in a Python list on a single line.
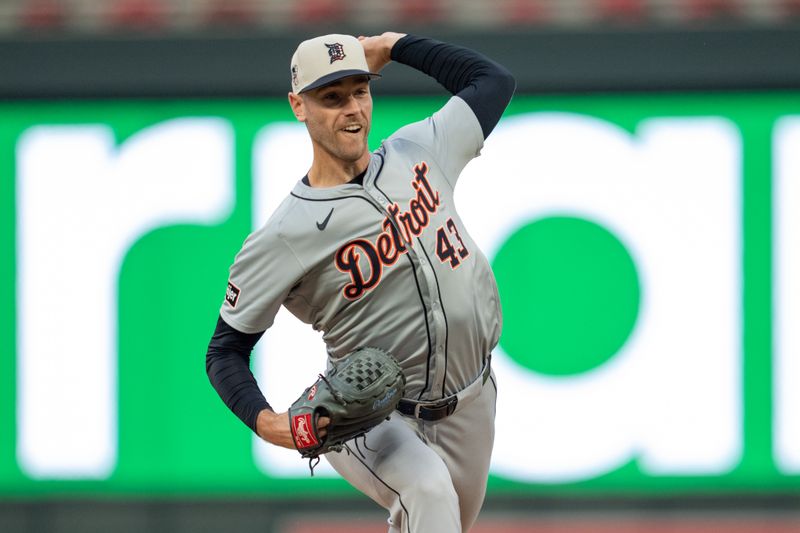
[(352, 149), (359, 137)]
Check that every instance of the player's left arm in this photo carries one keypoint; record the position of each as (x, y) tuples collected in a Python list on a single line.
[(485, 85), (481, 91)]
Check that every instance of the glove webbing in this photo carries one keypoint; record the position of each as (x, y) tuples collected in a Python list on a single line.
[(336, 393)]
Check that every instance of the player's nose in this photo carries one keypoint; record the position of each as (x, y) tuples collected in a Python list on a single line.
[(351, 105)]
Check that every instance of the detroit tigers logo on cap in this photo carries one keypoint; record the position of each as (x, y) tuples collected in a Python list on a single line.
[(326, 59), (335, 51)]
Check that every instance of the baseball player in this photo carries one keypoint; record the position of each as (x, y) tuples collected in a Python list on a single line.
[(369, 249)]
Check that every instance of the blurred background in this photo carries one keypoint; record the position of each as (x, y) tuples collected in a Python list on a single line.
[(638, 203), (184, 16)]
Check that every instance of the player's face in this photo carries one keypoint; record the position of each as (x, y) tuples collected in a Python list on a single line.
[(338, 117)]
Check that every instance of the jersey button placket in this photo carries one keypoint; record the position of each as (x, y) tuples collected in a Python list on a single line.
[(423, 266), (440, 327)]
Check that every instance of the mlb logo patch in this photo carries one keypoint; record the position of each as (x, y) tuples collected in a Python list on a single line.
[(301, 427), (335, 51), (232, 294)]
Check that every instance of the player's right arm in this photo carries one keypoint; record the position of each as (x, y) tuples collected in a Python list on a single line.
[(228, 369), (262, 275)]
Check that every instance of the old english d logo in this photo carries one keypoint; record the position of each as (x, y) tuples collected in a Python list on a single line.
[(301, 427), (335, 51)]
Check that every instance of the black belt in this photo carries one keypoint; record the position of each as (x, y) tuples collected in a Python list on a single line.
[(430, 411), (437, 409)]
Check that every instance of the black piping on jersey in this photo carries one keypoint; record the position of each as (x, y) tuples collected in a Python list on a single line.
[(371, 471), (413, 270), (393, 222), (444, 313), (427, 328), (380, 169), (334, 199), (410, 250)]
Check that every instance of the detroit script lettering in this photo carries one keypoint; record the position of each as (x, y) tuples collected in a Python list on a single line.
[(399, 228)]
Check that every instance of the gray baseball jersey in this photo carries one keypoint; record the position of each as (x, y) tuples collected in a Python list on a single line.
[(387, 264)]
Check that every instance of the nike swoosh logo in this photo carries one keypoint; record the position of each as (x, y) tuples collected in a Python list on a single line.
[(322, 225)]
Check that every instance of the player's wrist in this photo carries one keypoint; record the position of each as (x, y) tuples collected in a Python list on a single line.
[(266, 425), (390, 39), (378, 49)]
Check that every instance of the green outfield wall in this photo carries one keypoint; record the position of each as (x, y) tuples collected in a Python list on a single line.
[(645, 246)]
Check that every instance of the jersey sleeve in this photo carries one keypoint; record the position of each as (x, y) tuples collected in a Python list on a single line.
[(452, 135), (486, 86), (263, 273)]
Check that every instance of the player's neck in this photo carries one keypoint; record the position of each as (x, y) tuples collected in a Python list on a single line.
[(330, 171)]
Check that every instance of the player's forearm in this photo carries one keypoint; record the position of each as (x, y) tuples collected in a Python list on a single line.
[(274, 428), (486, 86), (228, 369)]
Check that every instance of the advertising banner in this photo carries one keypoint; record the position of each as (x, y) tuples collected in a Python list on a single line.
[(645, 248)]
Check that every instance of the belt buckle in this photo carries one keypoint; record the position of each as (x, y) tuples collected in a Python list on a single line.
[(449, 407)]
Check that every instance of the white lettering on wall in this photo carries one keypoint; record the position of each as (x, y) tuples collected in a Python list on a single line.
[(82, 203), (671, 398), (786, 294)]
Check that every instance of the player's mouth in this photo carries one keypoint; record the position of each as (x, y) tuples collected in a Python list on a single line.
[(352, 128)]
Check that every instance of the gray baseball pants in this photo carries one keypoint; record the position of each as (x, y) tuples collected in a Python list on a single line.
[(430, 476)]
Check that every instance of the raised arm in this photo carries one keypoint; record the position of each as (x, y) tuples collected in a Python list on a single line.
[(486, 86)]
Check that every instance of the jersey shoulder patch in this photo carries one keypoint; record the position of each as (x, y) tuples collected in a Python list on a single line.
[(232, 294)]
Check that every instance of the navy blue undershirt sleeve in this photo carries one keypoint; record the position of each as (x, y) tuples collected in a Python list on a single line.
[(486, 86), (228, 369)]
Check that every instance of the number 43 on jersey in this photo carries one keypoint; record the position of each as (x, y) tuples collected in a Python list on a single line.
[(444, 247)]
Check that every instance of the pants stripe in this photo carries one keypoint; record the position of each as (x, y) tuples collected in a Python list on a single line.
[(399, 498)]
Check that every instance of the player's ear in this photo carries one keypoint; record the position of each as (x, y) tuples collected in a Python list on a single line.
[(298, 107)]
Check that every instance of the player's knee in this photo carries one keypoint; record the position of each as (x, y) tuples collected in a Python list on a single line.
[(435, 489), (433, 505)]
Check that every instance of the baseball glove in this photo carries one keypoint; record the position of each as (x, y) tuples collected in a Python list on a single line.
[(357, 393)]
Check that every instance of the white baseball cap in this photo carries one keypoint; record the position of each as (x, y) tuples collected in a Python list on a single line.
[(323, 60)]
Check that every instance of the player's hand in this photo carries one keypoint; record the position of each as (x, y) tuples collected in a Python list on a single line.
[(274, 428), (378, 49)]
